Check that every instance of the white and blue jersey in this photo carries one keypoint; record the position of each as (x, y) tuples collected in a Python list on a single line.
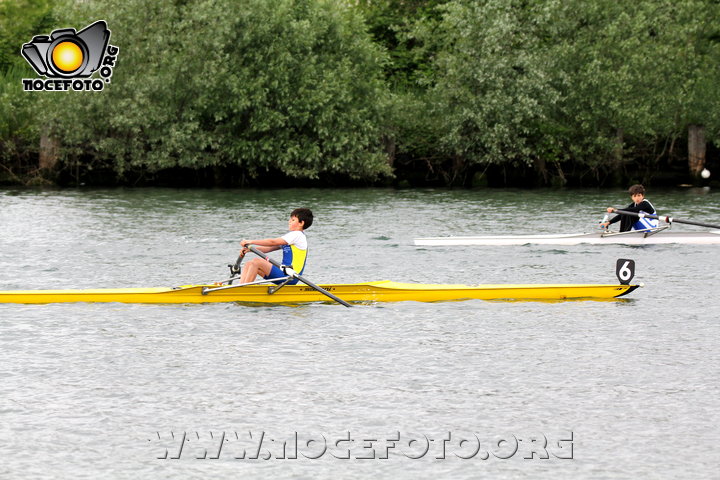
[(294, 255), (646, 223), (628, 222)]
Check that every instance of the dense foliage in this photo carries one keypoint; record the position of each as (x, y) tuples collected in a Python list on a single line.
[(552, 91)]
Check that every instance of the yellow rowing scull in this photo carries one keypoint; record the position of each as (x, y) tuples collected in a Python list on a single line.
[(382, 291)]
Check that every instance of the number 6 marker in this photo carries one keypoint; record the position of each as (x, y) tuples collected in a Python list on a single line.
[(625, 270)]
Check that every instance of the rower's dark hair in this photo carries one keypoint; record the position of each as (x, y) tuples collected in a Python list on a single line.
[(637, 188), (303, 215)]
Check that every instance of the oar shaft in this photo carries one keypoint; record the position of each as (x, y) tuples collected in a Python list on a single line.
[(666, 219), (322, 290), (298, 276), (688, 222)]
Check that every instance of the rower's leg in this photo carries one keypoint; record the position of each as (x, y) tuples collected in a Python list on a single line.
[(255, 267), (626, 223)]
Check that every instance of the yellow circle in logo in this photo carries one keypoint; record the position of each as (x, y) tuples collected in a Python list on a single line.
[(67, 56)]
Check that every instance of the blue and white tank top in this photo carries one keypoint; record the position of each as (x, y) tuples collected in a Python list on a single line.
[(295, 252)]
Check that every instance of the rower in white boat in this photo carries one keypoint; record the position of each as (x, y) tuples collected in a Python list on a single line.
[(638, 205), (639, 225)]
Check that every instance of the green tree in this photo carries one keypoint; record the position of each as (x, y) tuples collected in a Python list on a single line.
[(591, 86), (493, 80), (290, 85), (633, 75), (20, 20), (394, 25)]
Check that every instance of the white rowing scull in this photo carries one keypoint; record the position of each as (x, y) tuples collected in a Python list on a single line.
[(653, 236)]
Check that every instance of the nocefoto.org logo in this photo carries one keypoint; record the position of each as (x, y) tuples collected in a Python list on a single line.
[(68, 58)]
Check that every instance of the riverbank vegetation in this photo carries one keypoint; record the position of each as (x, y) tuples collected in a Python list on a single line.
[(423, 92)]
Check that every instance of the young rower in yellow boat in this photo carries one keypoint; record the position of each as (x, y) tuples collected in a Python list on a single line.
[(293, 244), (639, 205)]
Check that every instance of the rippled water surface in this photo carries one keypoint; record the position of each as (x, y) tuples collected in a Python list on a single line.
[(629, 388)]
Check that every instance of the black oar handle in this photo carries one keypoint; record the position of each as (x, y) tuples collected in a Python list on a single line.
[(235, 269), (666, 219), (289, 271)]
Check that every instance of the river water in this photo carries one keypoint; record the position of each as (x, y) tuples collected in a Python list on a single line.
[(617, 389)]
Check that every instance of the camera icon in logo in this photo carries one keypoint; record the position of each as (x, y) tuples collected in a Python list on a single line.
[(67, 53)]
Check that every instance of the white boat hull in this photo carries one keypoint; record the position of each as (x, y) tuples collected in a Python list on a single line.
[(599, 238)]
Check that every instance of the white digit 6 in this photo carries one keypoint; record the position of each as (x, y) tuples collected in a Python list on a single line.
[(624, 272)]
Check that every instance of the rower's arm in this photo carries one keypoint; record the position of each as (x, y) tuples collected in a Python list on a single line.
[(265, 245), (614, 219)]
